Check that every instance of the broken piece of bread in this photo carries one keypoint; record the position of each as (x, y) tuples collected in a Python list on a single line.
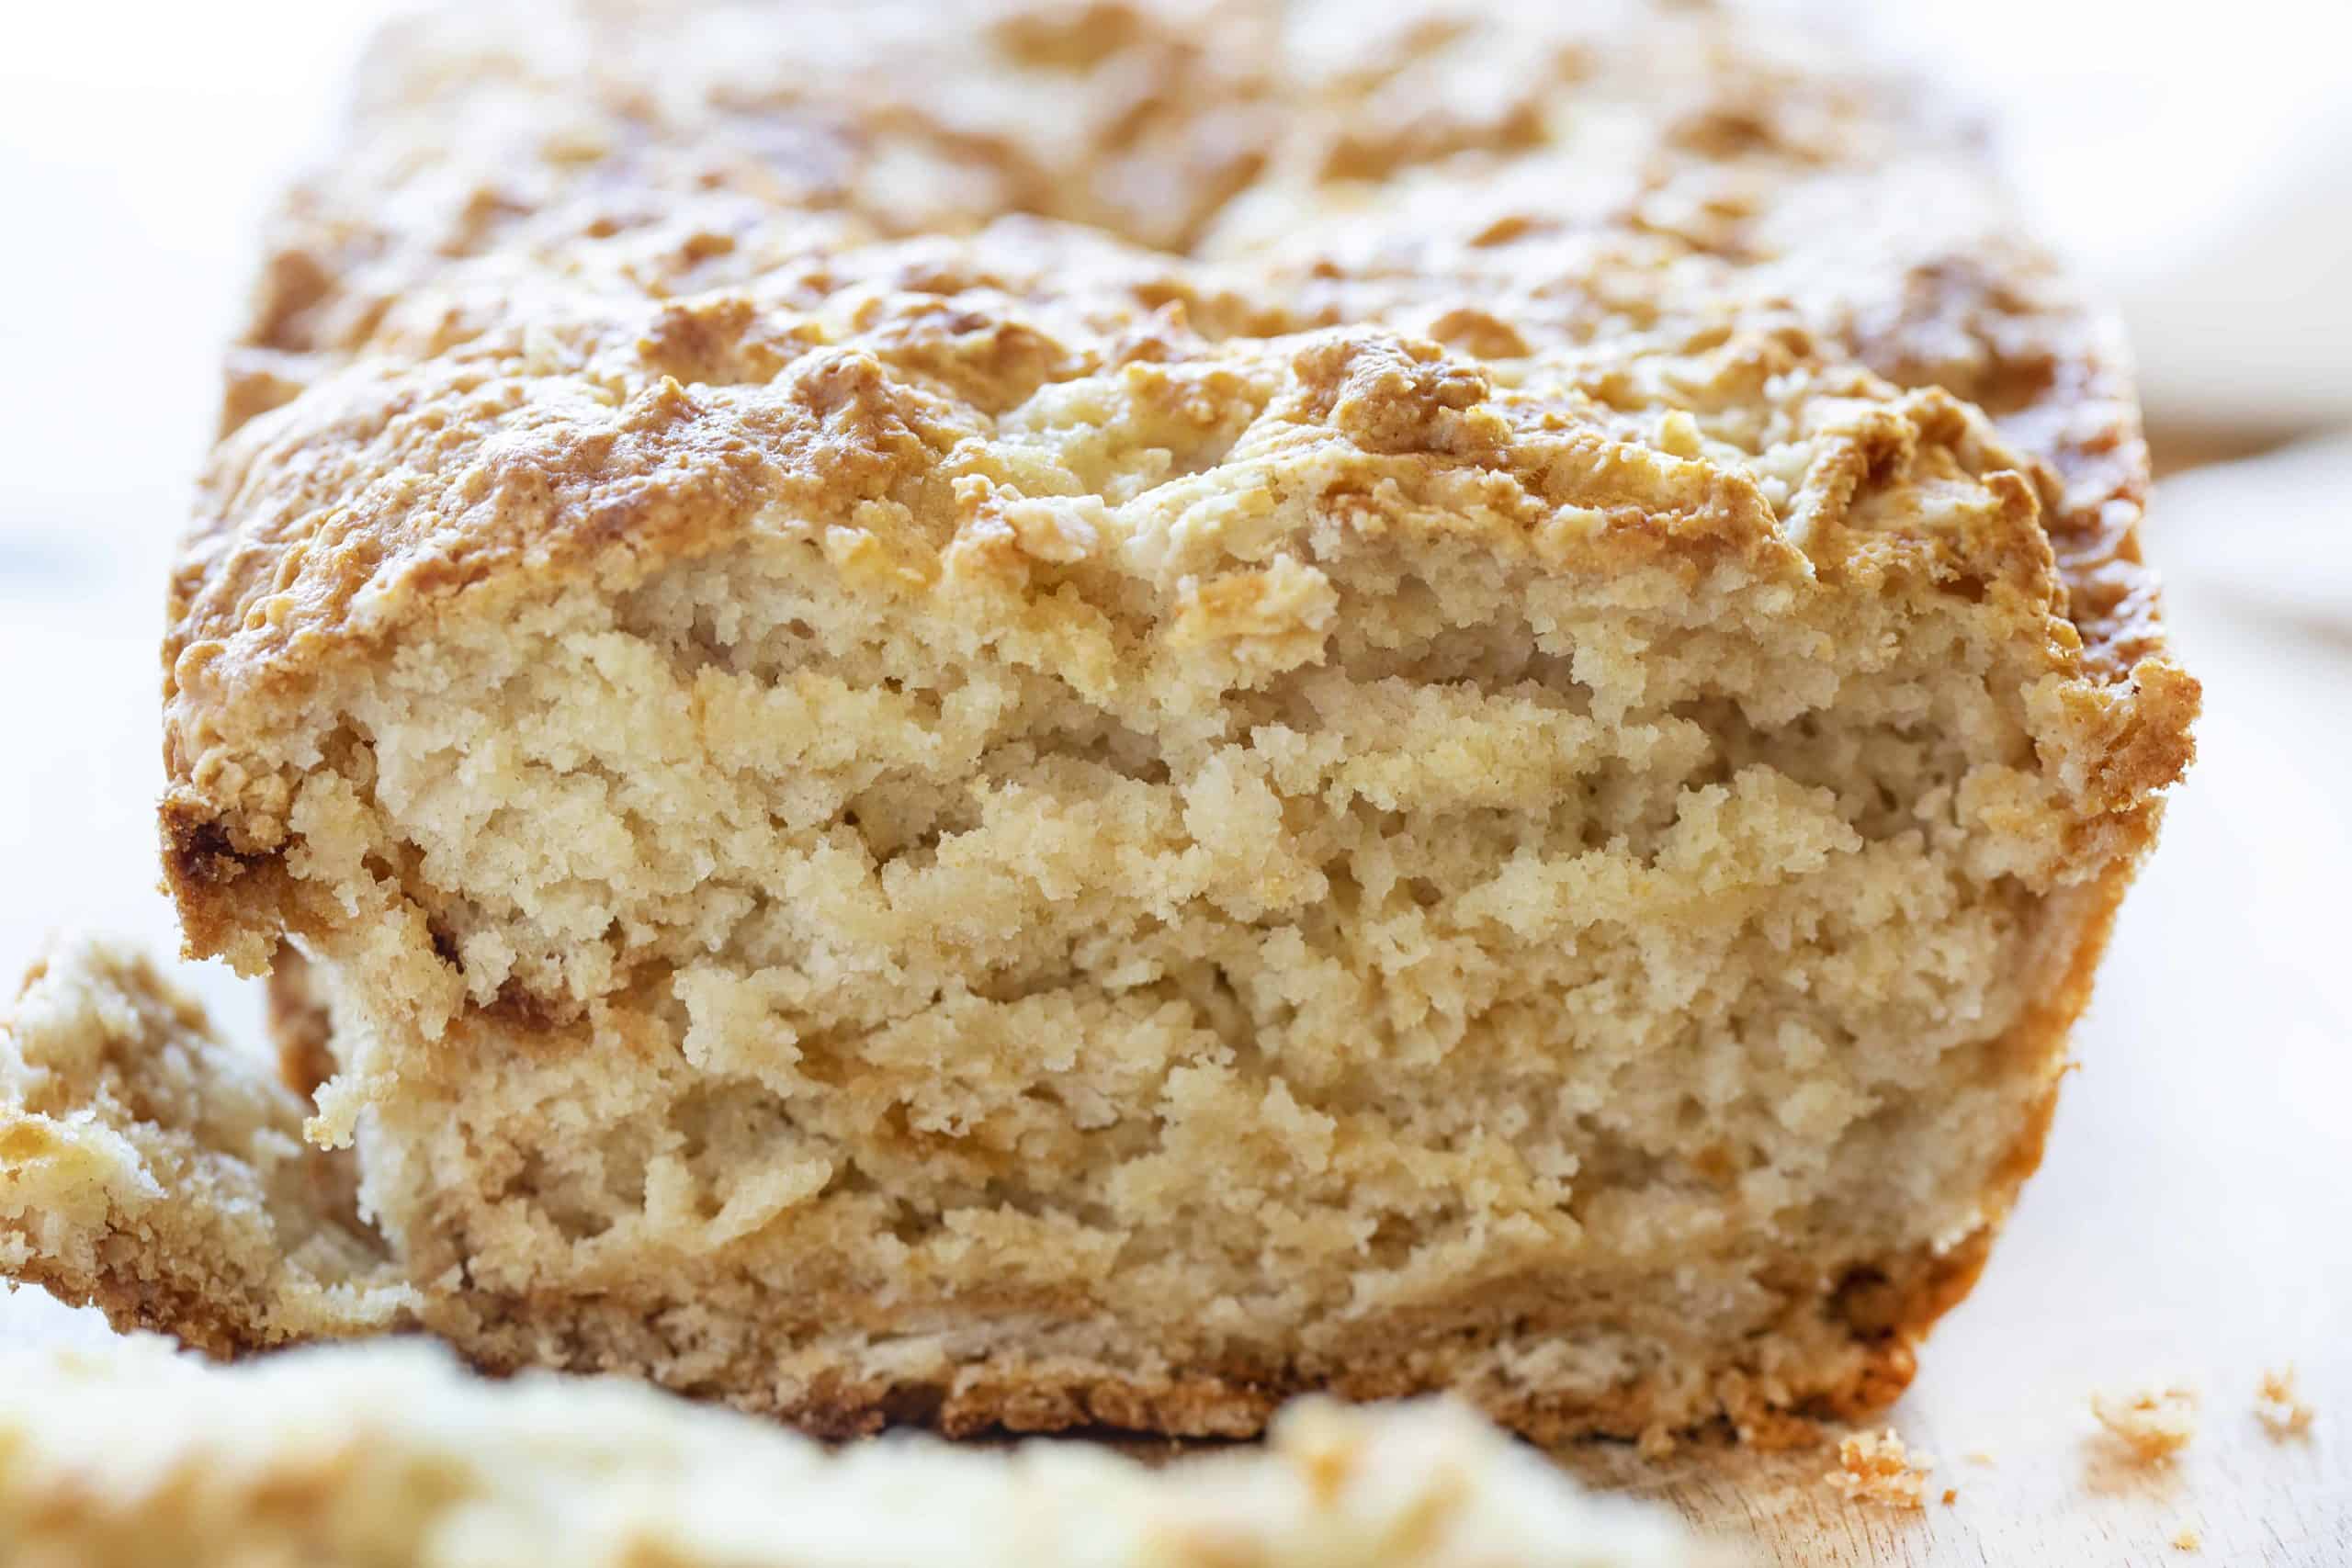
[(386, 1455), (148, 1166), (2152, 1423), (1878, 1467), (1493, 759), (2279, 1406)]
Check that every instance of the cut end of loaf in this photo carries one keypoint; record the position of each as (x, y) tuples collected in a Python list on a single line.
[(1050, 975), (1507, 777)]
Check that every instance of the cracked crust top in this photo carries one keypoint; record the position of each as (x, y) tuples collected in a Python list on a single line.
[(1583, 167)]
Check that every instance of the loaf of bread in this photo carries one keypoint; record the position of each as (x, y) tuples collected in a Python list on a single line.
[(385, 1456), (1023, 715)]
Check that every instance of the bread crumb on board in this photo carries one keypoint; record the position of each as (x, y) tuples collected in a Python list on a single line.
[(2280, 1406), (1980, 1456), (1875, 1467), (2154, 1422), (2186, 1538)]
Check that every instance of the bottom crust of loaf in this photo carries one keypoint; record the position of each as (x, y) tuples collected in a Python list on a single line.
[(1840, 1358)]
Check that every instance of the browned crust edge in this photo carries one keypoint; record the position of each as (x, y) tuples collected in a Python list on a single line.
[(2061, 390), (225, 898), (140, 1290), (1237, 1401), (1195, 1402)]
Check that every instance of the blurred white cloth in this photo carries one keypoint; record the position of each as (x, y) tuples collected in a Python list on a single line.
[(2196, 162), (2265, 541)]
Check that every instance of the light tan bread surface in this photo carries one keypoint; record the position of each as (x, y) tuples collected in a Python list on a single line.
[(148, 1165), (1504, 776), (387, 1456)]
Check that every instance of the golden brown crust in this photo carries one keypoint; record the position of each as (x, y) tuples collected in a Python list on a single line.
[(1855, 1372), (670, 136)]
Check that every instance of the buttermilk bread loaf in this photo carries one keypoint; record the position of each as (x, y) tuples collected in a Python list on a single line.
[(1468, 718), (385, 1456)]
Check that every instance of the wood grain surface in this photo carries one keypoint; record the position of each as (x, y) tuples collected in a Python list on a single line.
[(2193, 1222)]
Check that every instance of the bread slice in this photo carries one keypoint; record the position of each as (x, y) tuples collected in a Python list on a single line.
[(386, 1455), (1508, 779), (149, 1167)]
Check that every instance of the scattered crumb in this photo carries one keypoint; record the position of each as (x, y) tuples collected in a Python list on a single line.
[(2279, 1407), (2186, 1538), (1979, 1456), (1952, 1495), (2154, 1422), (1874, 1467)]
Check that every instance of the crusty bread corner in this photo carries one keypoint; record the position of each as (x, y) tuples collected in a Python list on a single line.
[(388, 1456), (151, 1169)]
